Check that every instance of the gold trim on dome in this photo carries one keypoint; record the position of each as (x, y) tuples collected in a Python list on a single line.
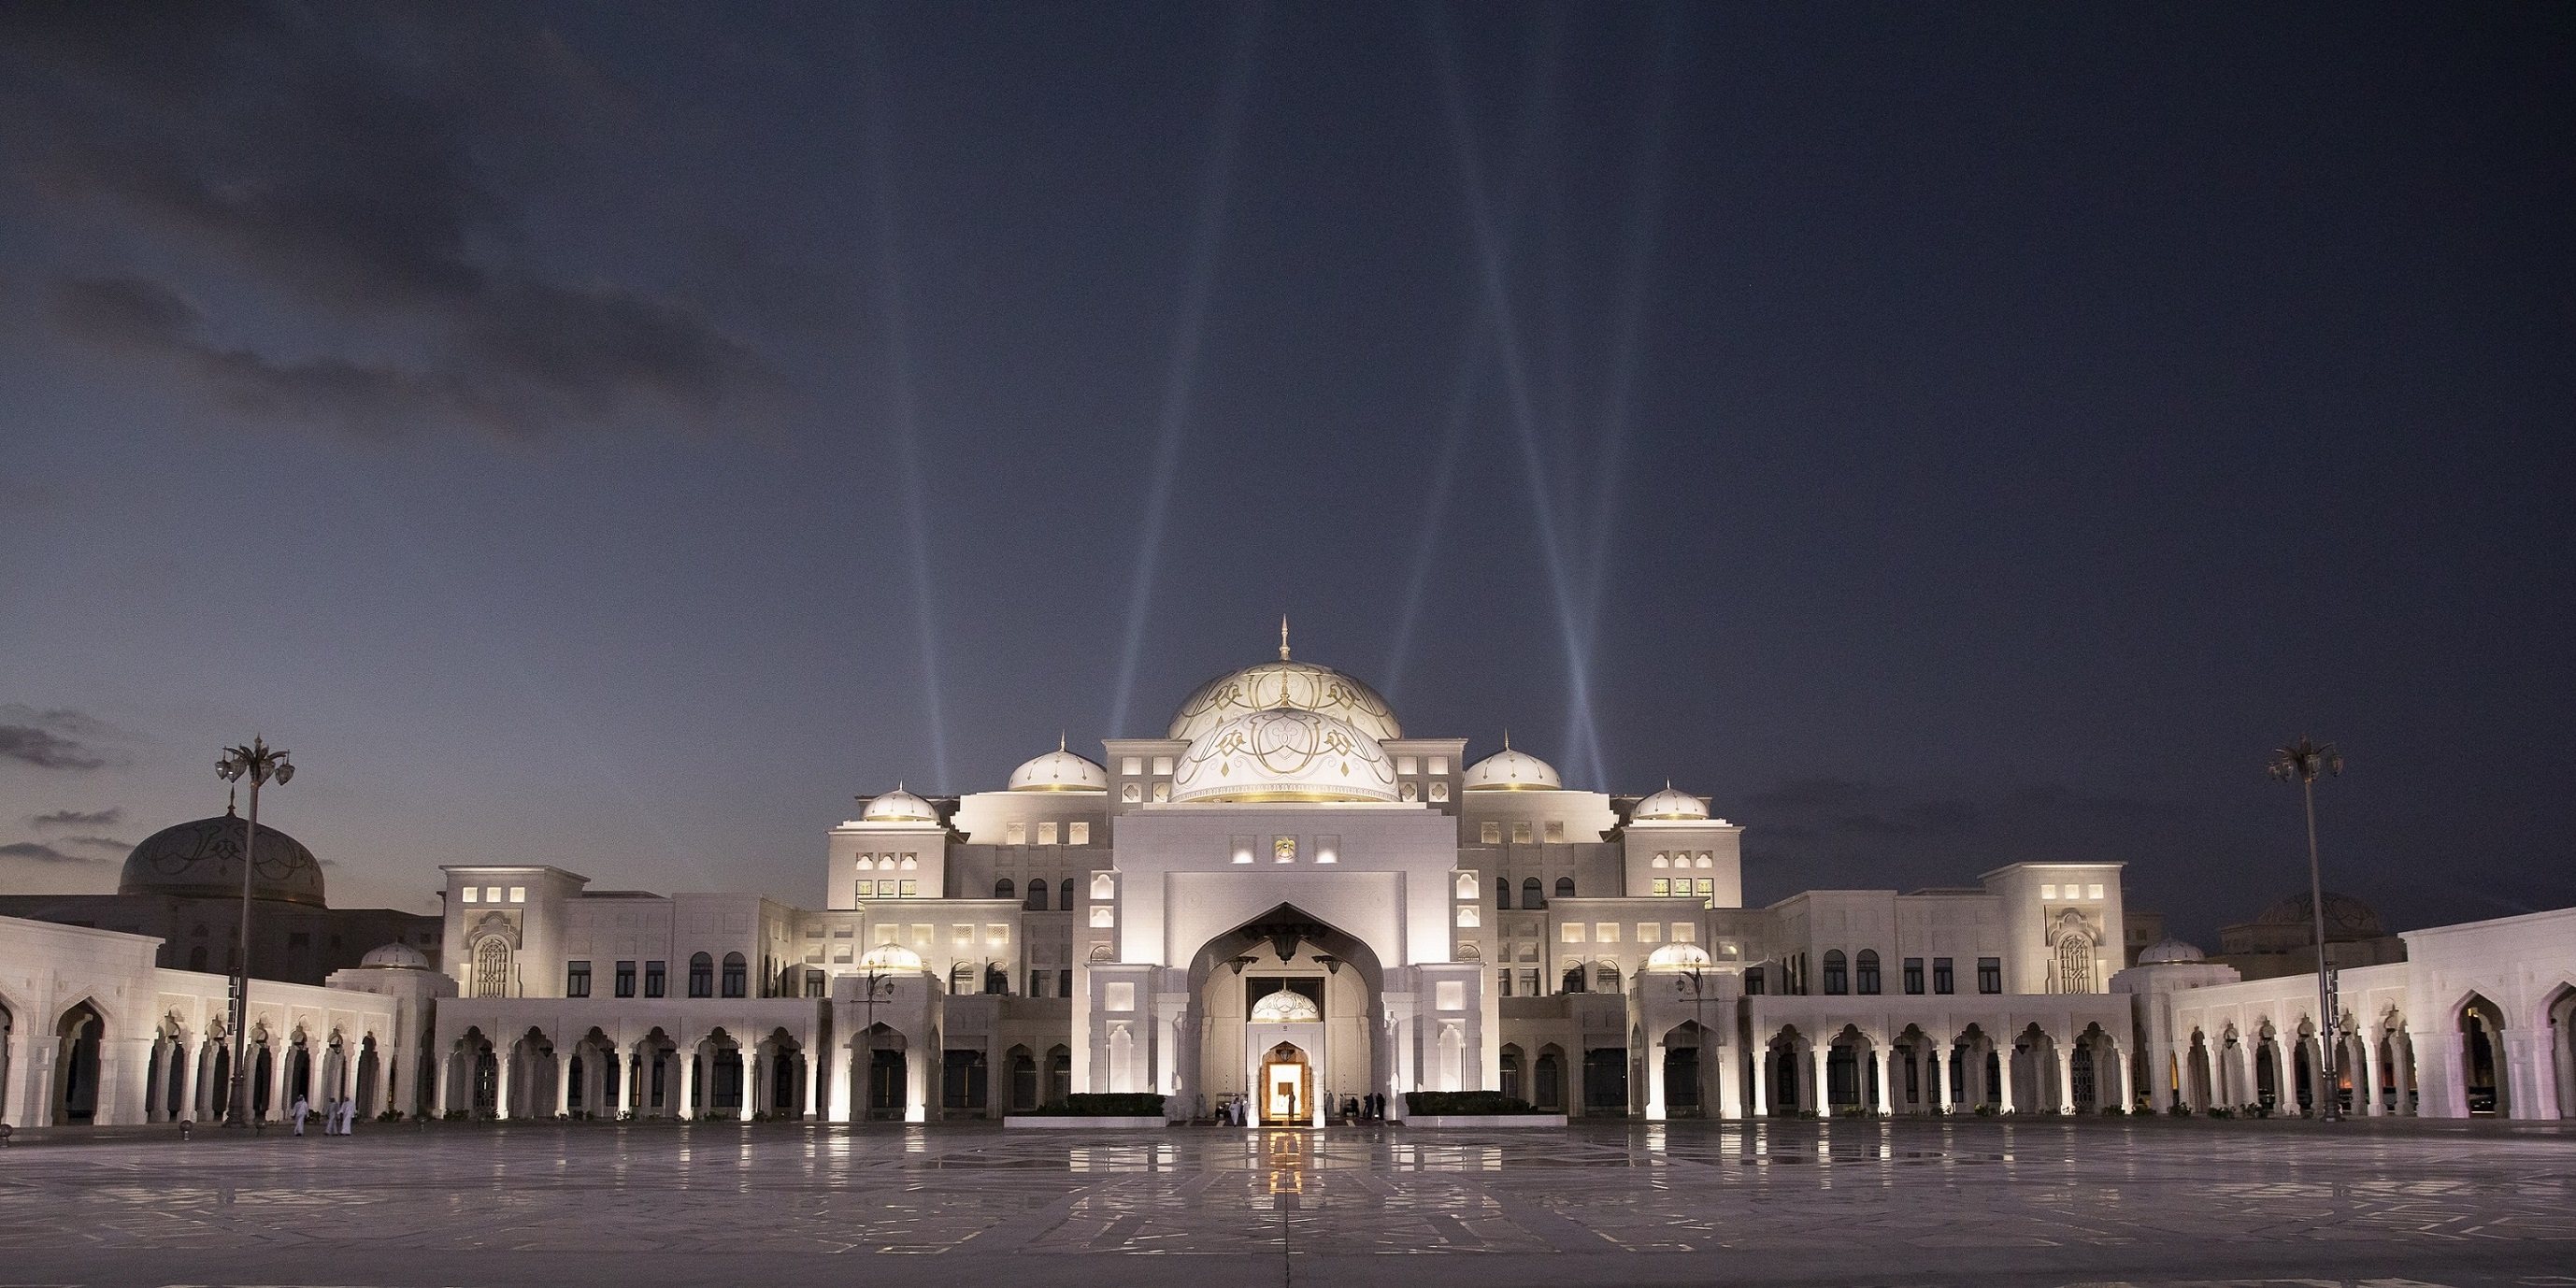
[(1300, 686), (1512, 787)]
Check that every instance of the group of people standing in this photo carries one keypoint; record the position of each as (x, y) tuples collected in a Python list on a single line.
[(338, 1118), (1236, 1111)]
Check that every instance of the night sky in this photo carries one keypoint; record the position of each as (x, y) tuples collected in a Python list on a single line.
[(615, 436)]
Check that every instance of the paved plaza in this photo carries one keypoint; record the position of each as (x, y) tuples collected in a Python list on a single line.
[(1966, 1201)]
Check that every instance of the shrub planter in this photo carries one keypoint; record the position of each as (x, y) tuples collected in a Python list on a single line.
[(1473, 1109), (1082, 1122), (1485, 1120)]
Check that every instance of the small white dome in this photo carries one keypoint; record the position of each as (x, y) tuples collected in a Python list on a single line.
[(1285, 1007), (396, 957), (1677, 957), (890, 957), (2169, 952), (1512, 771), (1284, 754), (899, 806), (1059, 771), (1670, 804)]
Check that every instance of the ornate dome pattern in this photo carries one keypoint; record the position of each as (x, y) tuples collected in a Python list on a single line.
[(1284, 755), (1059, 771), (202, 860), (890, 957), (1512, 771), (396, 957), (899, 806), (2347, 918), (1670, 804), (1301, 686), (1285, 1007), (2170, 951)]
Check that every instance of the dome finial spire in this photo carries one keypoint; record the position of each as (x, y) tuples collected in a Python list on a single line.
[(232, 797), (1283, 637), (1059, 740)]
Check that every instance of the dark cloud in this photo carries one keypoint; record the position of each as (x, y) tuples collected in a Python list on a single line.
[(63, 818), (358, 167), (38, 852), (55, 739), (107, 843)]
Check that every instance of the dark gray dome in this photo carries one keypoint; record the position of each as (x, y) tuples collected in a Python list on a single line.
[(202, 860)]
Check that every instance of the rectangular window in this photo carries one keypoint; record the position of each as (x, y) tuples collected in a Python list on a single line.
[(1664, 885), (1439, 764), (885, 888), (1520, 833), (909, 889), (654, 975), (962, 937), (1046, 833), (1162, 766), (1753, 982), (1407, 765), (1914, 975), (626, 979), (1571, 932), (2048, 892), (1037, 983), (1118, 996), (1708, 886), (491, 894), (2095, 892), (1015, 834), (1131, 765), (1449, 995), (1606, 932), (1556, 831), (1064, 983), (576, 979), (997, 935), (1649, 931), (1990, 974), (1077, 833), (472, 895), (1328, 848), (518, 894), (1529, 984), (1941, 982), (1683, 932)]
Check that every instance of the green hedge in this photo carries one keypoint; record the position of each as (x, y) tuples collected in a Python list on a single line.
[(1435, 1103), (1116, 1104)]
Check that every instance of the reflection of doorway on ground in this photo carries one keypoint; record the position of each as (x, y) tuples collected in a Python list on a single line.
[(1287, 1087)]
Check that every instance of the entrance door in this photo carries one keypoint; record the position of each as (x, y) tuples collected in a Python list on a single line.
[(1287, 1088)]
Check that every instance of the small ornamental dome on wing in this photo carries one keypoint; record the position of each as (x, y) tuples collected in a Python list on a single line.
[(1284, 755), (1059, 771), (1285, 1007), (1302, 686), (1512, 771), (898, 806), (1677, 957), (2347, 918), (202, 860), (886, 957), (1670, 804), (395, 957), (2169, 952)]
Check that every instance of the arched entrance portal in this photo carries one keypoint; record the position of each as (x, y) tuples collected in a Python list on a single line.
[(1287, 1087), (1287, 980)]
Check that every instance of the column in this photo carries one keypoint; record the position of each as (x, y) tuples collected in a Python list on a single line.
[(2066, 1077), (683, 1108), (916, 1091), (1655, 1079), (1727, 1104), (755, 1084), (563, 1083), (446, 1069), (1885, 1056), (504, 1100), (2003, 1088), (2370, 1078), (1813, 1073), (2120, 1061), (840, 1109), (1762, 1080), (1936, 1090)]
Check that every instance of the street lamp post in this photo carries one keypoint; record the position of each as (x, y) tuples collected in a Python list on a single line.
[(2301, 762), (257, 762)]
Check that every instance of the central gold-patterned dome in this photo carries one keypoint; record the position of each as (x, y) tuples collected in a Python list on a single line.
[(1298, 686), (1284, 755)]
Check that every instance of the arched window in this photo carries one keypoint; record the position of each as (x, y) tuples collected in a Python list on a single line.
[(1503, 894), (1004, 889), (1869, 972), (1037, 896), (492, 967), (961, 979), (1574, 978), (2074, 965), (1606, 978), (702, 976), (1837, 972), (197, 957), (1530, 896), (1565, 887), (1064, 892), (733, 982), (1551, 1080)]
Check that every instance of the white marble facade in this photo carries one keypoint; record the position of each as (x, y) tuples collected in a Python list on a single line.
[(1289, 899)]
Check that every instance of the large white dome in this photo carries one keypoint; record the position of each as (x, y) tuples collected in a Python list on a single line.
[(1301, 686), (899, 806), (1059, 771), (1670, 804), (1284, 755), (1512, 771)]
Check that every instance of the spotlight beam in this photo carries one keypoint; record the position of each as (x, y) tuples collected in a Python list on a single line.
[(1462, 402), (1514, 366), (1180, 375), (902, 411), (1621, 386)]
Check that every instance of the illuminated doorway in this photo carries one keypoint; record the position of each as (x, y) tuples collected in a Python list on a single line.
[(1287, 1087)]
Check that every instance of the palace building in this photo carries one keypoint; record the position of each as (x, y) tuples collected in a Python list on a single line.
[(1291, 902)]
